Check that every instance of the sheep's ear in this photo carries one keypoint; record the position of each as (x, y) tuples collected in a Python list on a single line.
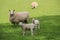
[(9, 9)]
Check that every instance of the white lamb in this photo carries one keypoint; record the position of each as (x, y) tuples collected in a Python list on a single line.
[(16, 17), (30, 26)]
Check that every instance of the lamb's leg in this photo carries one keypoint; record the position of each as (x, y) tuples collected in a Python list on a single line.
[(23, 32), (31, 32), (38, 26)]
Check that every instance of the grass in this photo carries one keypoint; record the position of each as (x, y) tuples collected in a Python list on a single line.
[(48, 12)]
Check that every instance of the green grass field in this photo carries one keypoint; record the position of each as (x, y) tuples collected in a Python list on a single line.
[(48, 12)]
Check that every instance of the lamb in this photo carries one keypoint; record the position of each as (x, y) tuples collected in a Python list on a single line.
[(34, 5), (30, 26), (16, 17), (35, 21)]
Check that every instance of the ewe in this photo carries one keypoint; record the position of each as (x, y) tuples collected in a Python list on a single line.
[(16, 17)]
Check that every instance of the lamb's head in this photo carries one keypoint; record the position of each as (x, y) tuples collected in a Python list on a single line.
[(11, 12), (36, 22)]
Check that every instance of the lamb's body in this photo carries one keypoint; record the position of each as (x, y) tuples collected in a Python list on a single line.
[(30, 26)]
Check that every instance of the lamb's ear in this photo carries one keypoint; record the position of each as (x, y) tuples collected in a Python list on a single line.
[(13, 10)]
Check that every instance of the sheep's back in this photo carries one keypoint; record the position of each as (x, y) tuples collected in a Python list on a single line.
[(22, 15)]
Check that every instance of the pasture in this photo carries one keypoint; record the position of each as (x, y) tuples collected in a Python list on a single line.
[(48, 12)]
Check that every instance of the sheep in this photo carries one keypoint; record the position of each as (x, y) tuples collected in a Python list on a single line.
[(29, 26), (35, 21), (34, 5), (16, 17)]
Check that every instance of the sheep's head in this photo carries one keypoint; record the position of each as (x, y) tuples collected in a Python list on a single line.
[(11, 12), (34, 4)]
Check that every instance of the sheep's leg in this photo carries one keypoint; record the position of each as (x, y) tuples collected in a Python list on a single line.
[(17, 23), (13, 23), (33, 7), (31, 32), (25, 21)]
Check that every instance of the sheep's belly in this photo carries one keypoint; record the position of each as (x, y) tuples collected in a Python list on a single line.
[(21, 17), (27, 29)]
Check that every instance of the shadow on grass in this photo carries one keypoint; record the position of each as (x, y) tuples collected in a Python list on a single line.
[(49, 30)]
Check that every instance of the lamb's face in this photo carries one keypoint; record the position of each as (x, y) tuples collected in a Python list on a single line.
[(11, 12)]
